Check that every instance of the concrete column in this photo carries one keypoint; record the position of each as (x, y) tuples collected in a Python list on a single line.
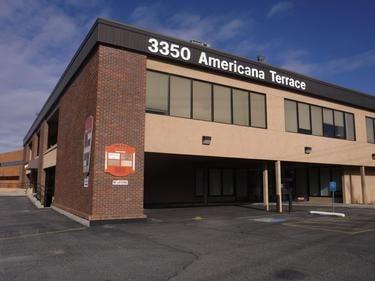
[(265, 188), (278, 185), (363, 183)]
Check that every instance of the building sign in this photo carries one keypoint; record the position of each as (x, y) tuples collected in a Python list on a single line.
[(119, 160), (204, 58), (87, 142)]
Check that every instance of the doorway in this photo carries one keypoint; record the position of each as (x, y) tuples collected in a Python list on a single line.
[(49, 186)]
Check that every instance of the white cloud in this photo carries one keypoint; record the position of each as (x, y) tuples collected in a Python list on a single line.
[(280, 8), (298, 60), (351, 63), (225, 32), (37, 40), (214, 30)]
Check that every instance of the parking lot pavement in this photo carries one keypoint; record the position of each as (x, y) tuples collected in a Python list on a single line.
[(19, 218), (202, 243)]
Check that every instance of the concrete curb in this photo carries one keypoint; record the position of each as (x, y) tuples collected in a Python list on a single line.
[(34, 201), (342, 215), (75, 218)]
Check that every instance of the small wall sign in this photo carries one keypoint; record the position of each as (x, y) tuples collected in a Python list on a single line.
[(120, 182), (119, 160), (87, 143)]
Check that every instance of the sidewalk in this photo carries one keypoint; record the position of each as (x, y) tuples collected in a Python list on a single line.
[(12, 192)]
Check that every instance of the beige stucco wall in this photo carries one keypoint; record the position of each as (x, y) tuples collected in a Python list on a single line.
[(167, 134), (50, 157), (370, 185), (352, 187)]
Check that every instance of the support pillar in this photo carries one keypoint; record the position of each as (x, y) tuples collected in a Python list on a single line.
[(278, 186), (265, 188), (363, 183)]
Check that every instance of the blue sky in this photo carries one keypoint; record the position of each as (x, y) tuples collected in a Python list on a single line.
[(330, 40)]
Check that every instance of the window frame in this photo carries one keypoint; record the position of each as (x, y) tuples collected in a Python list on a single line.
[(322, 109)]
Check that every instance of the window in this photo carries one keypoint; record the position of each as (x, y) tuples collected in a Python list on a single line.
[(215, 182), (9, 178), (37, 143), (325, 178), (316, 120), (200, 182), (228, 183), (258, 110), (189, 98), (314, 184), (290, 116), (328, 127), (180, 99), (241, 183), (53, 127), (319, 178), (339, 124), (222, 104), (157, 92), (304, 125), (240, 107), (336, 176), (349, 126), (202, 101), (11, 163), (370, 130)]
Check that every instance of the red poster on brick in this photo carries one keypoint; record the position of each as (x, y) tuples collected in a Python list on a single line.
[(119, 160)]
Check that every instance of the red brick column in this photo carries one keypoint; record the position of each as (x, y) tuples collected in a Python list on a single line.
[(43, 135), (120, 118)]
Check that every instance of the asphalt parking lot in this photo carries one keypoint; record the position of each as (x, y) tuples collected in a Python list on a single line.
[(201, 243)]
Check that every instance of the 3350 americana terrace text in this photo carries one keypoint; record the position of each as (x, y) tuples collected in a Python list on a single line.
[(176, 51)]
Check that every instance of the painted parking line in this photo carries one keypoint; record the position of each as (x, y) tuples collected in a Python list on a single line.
[(41, 233), (332, 226), (269, 219)]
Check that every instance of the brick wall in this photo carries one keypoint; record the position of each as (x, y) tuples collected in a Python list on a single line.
[(120, 118), (78, 102), (42, 139), (11, 171)]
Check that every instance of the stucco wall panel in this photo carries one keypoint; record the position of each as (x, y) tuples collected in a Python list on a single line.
[(183, 136)]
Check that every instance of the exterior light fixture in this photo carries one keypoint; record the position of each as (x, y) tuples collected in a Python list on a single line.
[(373, 156), (206, 140), (308, 149)]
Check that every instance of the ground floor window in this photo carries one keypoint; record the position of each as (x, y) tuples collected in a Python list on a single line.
[(314, 181), (222, 182)]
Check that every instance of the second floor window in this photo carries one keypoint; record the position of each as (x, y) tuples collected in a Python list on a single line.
[(370, 124), (183, 97), (319, 121)]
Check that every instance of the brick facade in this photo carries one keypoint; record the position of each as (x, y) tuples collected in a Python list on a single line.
[(120, 118), (7, 173), (42, 139), (112, 88), (78, 102)]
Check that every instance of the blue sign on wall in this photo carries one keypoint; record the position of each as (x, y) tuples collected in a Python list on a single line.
[(332, 186)]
